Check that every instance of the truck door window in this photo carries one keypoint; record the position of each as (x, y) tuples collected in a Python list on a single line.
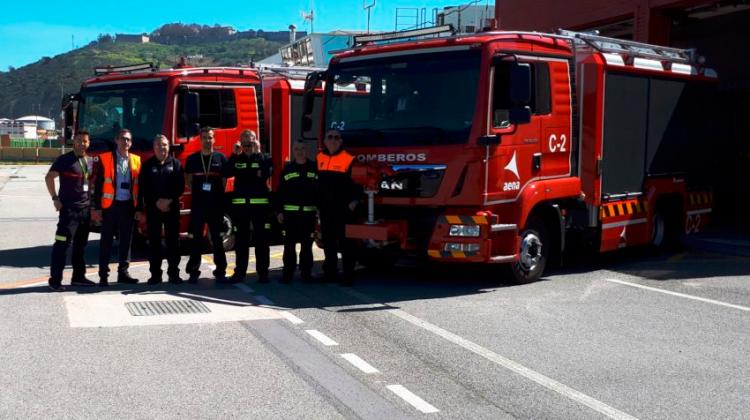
[(218, 108), (540, 93)]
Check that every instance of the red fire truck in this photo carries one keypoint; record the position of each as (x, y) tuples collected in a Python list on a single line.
[(505, 147), (178, 101)]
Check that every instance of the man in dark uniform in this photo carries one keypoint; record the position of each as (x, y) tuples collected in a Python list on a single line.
[(162, 183), (250, 205), (295, 205), (338, 198), (115, 199), (203, 173), (72, 201)]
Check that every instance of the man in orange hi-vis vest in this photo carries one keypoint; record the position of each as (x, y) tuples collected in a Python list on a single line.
[(338, 198), (115, 199)]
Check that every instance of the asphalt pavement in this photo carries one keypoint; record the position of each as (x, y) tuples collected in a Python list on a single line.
[(623, 335)]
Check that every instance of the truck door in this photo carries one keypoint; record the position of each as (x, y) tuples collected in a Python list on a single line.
[(516, 162)]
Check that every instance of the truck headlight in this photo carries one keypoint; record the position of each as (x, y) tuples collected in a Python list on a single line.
[(471, 231)]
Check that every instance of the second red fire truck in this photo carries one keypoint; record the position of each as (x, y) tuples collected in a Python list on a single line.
[(178, 101)]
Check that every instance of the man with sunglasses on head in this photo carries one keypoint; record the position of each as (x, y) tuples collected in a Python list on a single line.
[(338, 199), (115, 199), (250, 206)]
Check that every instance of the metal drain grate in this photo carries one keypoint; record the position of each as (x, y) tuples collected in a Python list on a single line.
[(166, 307)]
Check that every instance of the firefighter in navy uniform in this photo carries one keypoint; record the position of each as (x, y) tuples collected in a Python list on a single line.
[(72, 201), (295, 206), (203, 172), (338, 199), (250, 206), (162, 183)]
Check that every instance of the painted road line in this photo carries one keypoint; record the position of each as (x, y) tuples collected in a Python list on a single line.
[(322, 338), (359, 363), (499, 360), (263, 300), (291, 318), (39, 281), (412, 399), (245, 288), (682, 295)]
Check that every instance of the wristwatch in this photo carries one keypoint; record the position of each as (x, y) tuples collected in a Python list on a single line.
[(55, 198)]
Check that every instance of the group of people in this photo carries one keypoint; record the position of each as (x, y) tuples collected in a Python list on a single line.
[(116, 190)]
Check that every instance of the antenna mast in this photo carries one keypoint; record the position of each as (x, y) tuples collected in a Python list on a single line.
[(368, 7)]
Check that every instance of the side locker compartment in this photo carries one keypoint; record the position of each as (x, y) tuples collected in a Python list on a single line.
[(623, 214)]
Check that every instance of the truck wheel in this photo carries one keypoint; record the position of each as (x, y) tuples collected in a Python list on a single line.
[(378, 260), (664, 231), (533, 253), (227, 233)]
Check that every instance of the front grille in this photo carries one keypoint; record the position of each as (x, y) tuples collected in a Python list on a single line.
[(421, 181)]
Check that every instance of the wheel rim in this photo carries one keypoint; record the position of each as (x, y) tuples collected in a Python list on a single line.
[(531, 251)]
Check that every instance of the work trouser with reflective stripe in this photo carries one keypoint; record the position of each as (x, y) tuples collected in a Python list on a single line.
[(202, 214), (298, 227), (119, 216), (72, 227), (251, 216)]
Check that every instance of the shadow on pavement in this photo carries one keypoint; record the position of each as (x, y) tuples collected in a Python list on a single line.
[(425, 281)]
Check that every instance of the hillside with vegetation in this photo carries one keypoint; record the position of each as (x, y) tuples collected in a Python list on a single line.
[(37, 88)]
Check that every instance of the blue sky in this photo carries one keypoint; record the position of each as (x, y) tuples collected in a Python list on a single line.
[(28, 34)]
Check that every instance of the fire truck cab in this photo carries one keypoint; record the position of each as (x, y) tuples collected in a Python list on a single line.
[(178, 101), (502, 147)]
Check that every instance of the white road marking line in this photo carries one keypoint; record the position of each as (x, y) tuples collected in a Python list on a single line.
[(293, 319), (412, 399), (359, 363), (682, 295), (245, 288), (527, 373), (263, 300), (322, 338)]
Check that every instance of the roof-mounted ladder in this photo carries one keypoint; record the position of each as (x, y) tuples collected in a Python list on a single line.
[(633, 49)]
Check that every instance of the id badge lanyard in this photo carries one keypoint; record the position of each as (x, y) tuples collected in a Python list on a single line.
[(206, 183), (85, 171)]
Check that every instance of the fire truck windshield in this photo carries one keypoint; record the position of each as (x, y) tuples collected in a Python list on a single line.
[(138, 107), (415, 99)]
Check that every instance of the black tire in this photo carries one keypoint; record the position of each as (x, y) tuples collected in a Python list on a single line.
[(377, 260), (533, 253), (665, 234)]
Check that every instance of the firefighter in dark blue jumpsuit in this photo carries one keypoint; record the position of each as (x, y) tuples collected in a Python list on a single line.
[(72, 201), (250, 206), (203, 172), (295, 206)]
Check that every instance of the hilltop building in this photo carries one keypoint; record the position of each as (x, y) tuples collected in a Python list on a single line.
[(133, 39)]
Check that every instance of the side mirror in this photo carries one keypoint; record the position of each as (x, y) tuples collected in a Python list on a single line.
[(307, 123), (189, 126), (520, 84), (69, 108), (312, 82)]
